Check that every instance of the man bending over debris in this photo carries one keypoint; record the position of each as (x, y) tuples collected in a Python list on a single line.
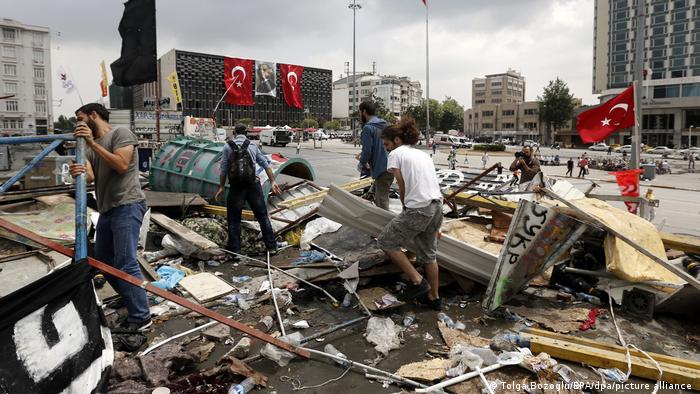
[(111, 163), (238, 165), (421, 218)]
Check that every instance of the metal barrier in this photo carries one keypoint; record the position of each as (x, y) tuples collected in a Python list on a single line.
[(80, 182)]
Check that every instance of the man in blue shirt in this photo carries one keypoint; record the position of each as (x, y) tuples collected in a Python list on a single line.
[(374, 154), (251, 193)]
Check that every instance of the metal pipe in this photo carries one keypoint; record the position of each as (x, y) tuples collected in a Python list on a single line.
[(274, 297), (81, 240), (336, 303), (27, 167), (460, 378), (638, 81), (180, 335), (352, 364), (35, 139)]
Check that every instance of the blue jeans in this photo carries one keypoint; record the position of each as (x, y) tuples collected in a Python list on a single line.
[(117, 240), (252, 194)]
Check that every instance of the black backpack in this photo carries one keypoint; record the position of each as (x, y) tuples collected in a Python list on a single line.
[(242, 168)]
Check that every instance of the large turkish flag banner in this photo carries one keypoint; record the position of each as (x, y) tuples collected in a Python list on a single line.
[(597, 124), (238, 79), (291, 84)]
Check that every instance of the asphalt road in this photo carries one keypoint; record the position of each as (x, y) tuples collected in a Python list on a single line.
[(679, 210)]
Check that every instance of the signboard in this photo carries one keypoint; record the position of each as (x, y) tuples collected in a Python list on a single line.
[(200, 127), (536, 239), (150, 103), (175, 87)]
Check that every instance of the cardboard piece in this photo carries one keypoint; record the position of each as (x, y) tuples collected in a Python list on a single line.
[(205, 286), (426, 371), (454, 337)]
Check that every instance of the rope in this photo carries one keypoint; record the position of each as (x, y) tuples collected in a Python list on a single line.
[(628, 346), (297, 386)]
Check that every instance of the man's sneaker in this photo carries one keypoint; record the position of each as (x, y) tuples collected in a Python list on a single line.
[(435, 304), (412, 292), (140, 326)]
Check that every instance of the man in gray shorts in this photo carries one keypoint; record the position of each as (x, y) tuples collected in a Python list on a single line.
[(418, 225)]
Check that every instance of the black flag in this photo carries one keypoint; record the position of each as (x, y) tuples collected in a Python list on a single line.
[(138, 63)]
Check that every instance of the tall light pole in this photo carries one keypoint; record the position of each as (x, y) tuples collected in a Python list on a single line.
[(639, 78), (354, 7), (690, 137)]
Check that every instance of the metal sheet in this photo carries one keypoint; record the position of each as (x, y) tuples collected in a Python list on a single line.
[(453, 255)]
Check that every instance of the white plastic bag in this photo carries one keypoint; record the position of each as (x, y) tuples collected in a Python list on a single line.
[(315, 228), (282, 357), (383, 333)]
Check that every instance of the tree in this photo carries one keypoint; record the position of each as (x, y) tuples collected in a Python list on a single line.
[(64, 125), (247, 121), (309, 122), (418, 113), (332, 125), (556, 107), (452, 115), (390, 117)]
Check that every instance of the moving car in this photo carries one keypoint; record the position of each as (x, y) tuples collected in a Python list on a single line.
[(624, 149), (276, 136), (601, 146), (320, 135), (451, 140), (686, 152), (660, 150)]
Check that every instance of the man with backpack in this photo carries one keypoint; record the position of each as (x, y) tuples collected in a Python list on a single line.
[(238, 165)]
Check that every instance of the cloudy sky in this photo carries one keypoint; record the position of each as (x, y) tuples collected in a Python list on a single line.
[(542, 39)]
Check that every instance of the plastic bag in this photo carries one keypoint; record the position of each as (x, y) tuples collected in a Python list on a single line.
[(169, 277), (309, 256), (155, 256), (315, 228), (383, 333), (282, 357), (181, 246)]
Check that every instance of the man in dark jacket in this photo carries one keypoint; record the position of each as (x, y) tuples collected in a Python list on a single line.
[(374, 154)]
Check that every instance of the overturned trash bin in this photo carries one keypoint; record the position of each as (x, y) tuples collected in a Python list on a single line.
[(649, 171)]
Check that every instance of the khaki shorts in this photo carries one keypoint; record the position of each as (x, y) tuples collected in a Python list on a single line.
[(415, 229)]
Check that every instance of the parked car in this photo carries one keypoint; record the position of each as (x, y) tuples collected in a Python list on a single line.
[(624, 149), (531, 143), (451, 140), (660, 150), (277, 136), (320, 135), (601, 146), (686, 152)]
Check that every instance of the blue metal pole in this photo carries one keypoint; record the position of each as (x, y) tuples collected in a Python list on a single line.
[(35, 139), (8, 184), (80, 205)]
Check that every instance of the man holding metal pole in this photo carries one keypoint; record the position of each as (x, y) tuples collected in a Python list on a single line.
[(111, 162)]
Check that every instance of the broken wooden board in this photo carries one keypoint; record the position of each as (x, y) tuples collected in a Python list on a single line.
[(680, 242), (603, 358), (426, 371), (174, 200), (370, 294), (205, 286), (147, 267), (308, 274), (454, 337), (559, 320), (183, 232)]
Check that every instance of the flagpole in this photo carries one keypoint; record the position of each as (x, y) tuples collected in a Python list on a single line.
[(75, 84), (427, 79), (213, 114), (638, 77)]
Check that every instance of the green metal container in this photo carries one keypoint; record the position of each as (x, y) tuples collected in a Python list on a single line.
[(187, 165)]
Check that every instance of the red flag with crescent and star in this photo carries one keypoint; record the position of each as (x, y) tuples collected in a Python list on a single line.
[(597, 124), (238, 80), (291, 84)]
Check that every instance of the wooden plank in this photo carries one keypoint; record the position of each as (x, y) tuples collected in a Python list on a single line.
[(535, 332), (482, 202), (641, 367), (221, 211), (167, 199), (318, 196), (680, 242), (147, 267), (205, 286), (183, 232)]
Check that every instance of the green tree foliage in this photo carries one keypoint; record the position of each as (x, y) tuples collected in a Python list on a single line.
[(309, 122), (331, 125), (247, 121), (64, 125), (556, 107), (452, 115)]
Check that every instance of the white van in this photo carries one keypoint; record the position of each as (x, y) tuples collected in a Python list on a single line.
[(451, 140), (277, 136)]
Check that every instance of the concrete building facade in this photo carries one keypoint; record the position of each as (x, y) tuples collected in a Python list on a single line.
[(507, 87), (671, 89), (398, 93), (519, 121), (25, 79)]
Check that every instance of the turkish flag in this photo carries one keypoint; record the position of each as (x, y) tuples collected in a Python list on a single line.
[(291, 84), (598, 123), (628, 181), (238, 79)]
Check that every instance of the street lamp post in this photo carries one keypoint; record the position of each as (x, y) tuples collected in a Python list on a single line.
[(354, 7), (690, 137)]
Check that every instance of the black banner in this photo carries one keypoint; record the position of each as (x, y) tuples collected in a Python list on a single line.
[(52, 336)]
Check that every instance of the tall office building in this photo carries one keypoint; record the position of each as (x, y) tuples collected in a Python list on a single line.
[(671, 89), (25, 79), (507, 87)]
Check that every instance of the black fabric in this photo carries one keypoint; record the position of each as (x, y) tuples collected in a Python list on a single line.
[(66, 289), (138, 61), (241, 166)]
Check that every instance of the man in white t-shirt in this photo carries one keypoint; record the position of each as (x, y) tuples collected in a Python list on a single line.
[(418, 225)]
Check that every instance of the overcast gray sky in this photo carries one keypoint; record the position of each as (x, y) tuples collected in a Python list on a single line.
[(542, 39)]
